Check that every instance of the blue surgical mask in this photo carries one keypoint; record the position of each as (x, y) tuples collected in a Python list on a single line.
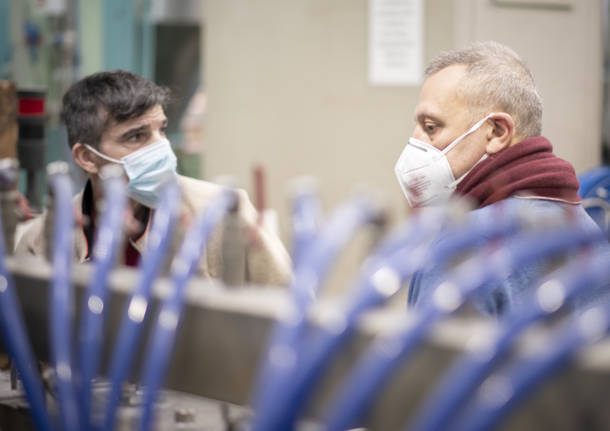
[(147, 169)]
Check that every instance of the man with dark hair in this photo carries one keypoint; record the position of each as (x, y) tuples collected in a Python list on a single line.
[(478, 125), (118, 117)]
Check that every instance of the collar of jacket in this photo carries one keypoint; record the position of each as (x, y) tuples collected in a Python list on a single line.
[(86, 237)]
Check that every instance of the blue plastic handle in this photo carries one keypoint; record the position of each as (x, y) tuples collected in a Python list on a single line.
[(278, 368), (15, 337), (370, 374), (159, 240), (394, 263), (168, 318), (458, 384), (62, 300), (512, 386), (306, 214), (108, 237)]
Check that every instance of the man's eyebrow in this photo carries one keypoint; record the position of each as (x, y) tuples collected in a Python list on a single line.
[(135, 130), (420, 117)]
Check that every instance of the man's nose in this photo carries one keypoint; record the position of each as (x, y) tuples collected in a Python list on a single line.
[(419, 134), (157, 135)]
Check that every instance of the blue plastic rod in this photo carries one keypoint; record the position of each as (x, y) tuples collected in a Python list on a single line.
[(17, 343), (371, 373), (168, 318), (306, 214), (504, 391), (108, 237), (551, 297), (159, 240), (383, 274), (378, 282), (62, 296), (310, 274)]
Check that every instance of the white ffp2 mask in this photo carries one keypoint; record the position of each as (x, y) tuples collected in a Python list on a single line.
[(424, 173)]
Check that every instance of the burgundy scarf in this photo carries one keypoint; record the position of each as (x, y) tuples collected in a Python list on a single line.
[(528, 169)]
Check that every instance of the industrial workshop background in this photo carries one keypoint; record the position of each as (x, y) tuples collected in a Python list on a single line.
[(281, 80), (288, 88), (275, 83)]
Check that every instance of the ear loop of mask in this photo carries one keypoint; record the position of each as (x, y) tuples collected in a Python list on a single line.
[(103, 156), (454, 184), (473, 129)]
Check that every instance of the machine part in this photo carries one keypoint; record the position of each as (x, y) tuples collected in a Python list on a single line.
[(181, 11), (599, 210), (109, 235), (593, 180), (135, 311), (175, 411), (9, 128), (168, 318), (31, 143), (306, 216), (234, 247), (260, 201), (223, 333), (14, 378), (8, 201), (49, 223)]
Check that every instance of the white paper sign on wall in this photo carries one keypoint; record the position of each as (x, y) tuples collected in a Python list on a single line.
[(395, 42)]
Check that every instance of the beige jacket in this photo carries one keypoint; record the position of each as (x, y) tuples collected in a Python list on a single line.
[(266, 260)]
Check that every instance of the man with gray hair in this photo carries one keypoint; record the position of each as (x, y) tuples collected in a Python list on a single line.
[(478, 136)]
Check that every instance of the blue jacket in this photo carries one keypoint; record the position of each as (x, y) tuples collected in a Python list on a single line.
[(510, 294)]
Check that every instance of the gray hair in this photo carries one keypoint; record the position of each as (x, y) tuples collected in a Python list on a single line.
[(496, 78)]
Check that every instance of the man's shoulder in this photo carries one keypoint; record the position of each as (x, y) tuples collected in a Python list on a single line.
[(537, 212), (197, 185), (522, 202), (197, 194), (267, 260), (29, 236)]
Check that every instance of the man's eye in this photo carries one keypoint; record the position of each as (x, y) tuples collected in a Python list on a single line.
[(136, 137), (429, 128)]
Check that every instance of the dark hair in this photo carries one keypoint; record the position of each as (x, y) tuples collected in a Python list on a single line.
[(95, 102)]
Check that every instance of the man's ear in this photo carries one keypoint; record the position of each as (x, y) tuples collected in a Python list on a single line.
[(84, 158), (501, 135)]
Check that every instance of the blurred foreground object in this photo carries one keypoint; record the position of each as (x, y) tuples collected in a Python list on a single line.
[(9, 129)]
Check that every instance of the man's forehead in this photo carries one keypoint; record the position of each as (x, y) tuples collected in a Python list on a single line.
[(149, 118), (424, 111), (440, 95)]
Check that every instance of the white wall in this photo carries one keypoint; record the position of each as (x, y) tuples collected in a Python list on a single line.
[(562, 44), (287, 87)]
